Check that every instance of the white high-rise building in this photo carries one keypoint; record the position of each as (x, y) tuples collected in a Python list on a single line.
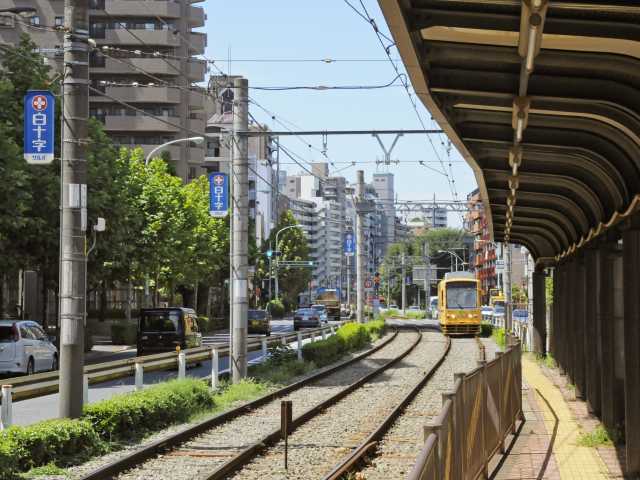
[(383, 186)]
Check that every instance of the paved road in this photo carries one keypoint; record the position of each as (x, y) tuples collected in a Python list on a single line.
[(33, 410)]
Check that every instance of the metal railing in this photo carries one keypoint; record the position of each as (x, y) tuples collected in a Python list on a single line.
[(46, 383), (475, 419)]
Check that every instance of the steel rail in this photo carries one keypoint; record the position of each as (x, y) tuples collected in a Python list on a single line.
[(272, 438), (137, 457), (349, 462)]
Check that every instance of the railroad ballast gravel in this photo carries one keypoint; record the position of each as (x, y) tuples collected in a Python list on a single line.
[(317, 446), (208, 451), (397, 452)]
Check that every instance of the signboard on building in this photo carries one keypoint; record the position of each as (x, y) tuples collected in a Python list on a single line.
[(349, 244), (39, 127), (422, 273), (499, 266), (218, 194)]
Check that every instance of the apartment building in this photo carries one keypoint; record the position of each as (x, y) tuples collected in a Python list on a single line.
[(483, 258), (145, 56), (383, 185)]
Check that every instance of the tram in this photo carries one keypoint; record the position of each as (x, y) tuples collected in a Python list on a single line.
[(459, 304)]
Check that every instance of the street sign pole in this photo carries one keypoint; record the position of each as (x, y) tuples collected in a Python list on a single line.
[(360, 258), (74, 207)]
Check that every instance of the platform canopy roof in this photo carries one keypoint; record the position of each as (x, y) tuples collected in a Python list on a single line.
[(542, 98)]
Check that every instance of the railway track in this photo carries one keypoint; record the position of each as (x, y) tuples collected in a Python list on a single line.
[(391, 450), (206, 446)]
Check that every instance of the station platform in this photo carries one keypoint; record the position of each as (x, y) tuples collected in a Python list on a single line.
[(545, 445)]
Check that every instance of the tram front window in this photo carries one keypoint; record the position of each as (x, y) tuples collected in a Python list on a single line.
[(462, 295)]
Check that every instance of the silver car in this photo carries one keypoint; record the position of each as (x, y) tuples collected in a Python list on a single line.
[(25, 348)]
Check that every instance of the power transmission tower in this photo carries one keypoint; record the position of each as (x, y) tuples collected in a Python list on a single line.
[(240, 228), (73, 222)]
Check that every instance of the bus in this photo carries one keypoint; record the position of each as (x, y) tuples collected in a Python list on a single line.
[(459, 304)]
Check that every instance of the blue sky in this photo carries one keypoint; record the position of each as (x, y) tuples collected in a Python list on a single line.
[(302, 29)]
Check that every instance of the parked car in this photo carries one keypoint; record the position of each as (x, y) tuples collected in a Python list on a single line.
[(306, 317), (414, 308), (322, 311), (165, 329), (25, 348), (259, 322), (393, 306)]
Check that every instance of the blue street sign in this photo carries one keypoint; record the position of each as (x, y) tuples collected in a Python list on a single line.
[(218, 194), (39, 126), (349, 245)]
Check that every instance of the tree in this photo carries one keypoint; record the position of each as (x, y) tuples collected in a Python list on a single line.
[(293, 246)]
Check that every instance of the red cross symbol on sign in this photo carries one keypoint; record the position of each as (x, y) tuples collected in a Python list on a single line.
[(218, 180), (39, 102)]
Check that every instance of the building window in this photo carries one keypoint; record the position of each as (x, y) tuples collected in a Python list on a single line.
[(35, 20), (7, 21), (192, 173), (59, 21)]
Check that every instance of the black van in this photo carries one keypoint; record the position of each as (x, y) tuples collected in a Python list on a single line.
[(164, 329)]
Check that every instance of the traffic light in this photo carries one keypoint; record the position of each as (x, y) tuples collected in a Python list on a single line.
[(269, 253)]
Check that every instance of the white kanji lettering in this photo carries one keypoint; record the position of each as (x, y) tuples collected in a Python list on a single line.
[(39, 144), (39, 119)]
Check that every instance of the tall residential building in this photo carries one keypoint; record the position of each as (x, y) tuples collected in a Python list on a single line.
[(383, 185), (145, 57), (483, 260)]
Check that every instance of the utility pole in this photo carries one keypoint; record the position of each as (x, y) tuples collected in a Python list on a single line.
[(240, 228), (73, 197), (349, 281), (404, 282), (360, 258), (507, 288)]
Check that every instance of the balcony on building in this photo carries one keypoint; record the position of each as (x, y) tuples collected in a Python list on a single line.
[(140, 123), (137, 37), (129, 66), (197, 17), (131, 94), (134, 8), (196, 70), (197, 43)]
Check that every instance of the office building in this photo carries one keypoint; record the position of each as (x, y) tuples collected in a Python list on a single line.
[(145, 56)]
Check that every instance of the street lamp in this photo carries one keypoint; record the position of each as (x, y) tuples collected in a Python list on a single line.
[(197, 140), (276, 250), (457, 257)]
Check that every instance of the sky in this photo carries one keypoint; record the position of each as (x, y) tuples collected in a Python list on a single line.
[(242, 30)]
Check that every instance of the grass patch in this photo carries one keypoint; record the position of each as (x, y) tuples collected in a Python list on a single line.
[(51, 469), (546, 360), (597, 438), (281, 366), (498, 336)]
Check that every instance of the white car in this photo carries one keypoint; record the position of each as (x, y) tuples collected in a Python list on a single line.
[(322, 311), (25, 348)]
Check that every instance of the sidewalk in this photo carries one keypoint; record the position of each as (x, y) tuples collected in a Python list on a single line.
[(545, 445)]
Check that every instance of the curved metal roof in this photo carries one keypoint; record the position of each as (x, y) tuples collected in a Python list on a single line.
[(542, 98)]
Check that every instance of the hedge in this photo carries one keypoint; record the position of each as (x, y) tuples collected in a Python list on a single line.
[(129, 416), (59, 441), (276, 308), (122, 417), (351, 336), (123, 333)]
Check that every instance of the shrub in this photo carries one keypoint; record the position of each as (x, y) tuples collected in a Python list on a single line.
[(486, 329), (350, 336), (498, 336), (276, 308), (131, 415), (123, 333), (57, 441), (205, 325)]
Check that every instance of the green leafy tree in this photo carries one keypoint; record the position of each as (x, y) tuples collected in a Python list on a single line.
[(293, 245)]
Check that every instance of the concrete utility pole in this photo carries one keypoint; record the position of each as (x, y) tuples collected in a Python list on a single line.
[(74, 206), (240, 222), (404, 282), (507, 288), (349, 281), (360, 259)]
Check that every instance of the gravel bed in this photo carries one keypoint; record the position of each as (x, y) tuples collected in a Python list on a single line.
[(208, 451), (398, 450), (79, 471), (317, 446)]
